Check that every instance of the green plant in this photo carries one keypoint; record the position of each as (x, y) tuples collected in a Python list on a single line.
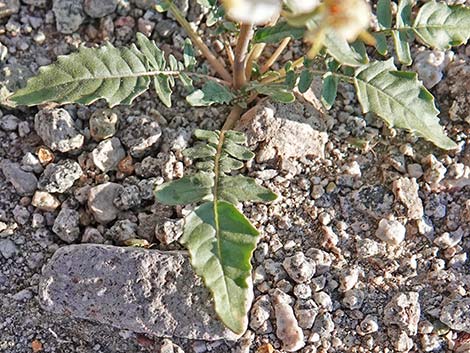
[(219, 238)]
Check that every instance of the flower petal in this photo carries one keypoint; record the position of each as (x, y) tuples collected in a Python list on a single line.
[(255, 11)]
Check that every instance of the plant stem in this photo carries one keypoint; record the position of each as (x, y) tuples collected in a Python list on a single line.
[(229, 51), (255, 53), (275, 55), (282, 73), (232, 118), (196, 39), (241, 50)]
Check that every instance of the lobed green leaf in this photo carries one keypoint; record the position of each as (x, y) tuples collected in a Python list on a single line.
[(189, 189), (117, 75), (400, 100), (210, 93), (219, 238), (442, 26), (221, 242)]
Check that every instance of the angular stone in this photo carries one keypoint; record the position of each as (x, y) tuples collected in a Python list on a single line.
[(57, 129), (66, 225), (100, 201), (107, 154), (390, 231), (68, 15), (99, 8), (406, 190), (142, 134), (283, 131), (403, 311), (60, 177), (25, 183), (140, 290), (455, 314)]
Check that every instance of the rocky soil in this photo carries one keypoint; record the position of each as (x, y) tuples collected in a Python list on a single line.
[(365, 250)]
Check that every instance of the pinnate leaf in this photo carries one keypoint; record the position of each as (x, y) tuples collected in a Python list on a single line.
[(403, 35), (238, 188), (329, 90), (400, 100), (117, 75), (219, 238)]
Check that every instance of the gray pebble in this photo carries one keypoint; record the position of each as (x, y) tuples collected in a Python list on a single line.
[(31, 163), (57, 128), (455, 314), (25, 183), (21, 214), (68, 14), (66, 225), (100, 202), (260, 313), (8, 248), (299, 268), (99, 8), (353, 299), (9, 122), (306, 311), (142, 133), (128, 197), (60, 177), (122, 231), (92, 235), (403, 311), (108, 154), (324, 324)]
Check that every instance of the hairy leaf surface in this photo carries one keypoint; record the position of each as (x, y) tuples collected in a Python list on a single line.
[(401, 100), (442, 26), (221, 242), (219, 238), (117, 75), (402, 36), (211, 93)]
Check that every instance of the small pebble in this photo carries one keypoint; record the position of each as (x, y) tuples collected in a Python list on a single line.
[(391, 232)]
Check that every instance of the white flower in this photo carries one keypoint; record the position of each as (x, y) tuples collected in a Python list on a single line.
[(256, 12), (302, 6), (348, 18)]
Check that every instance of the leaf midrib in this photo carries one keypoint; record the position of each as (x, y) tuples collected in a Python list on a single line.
[(387, 94), (215, 191), (113, 77)]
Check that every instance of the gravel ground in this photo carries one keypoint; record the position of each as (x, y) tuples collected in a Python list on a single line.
[(366, 250)]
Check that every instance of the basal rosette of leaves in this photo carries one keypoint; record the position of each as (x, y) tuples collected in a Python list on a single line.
[(339, 48)]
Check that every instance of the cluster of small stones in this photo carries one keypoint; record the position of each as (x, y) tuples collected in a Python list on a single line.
[(366, 250)]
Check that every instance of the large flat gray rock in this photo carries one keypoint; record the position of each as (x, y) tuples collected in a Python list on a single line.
[(140, 290)]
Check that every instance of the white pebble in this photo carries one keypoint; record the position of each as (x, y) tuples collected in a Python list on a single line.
[(391, 232)]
